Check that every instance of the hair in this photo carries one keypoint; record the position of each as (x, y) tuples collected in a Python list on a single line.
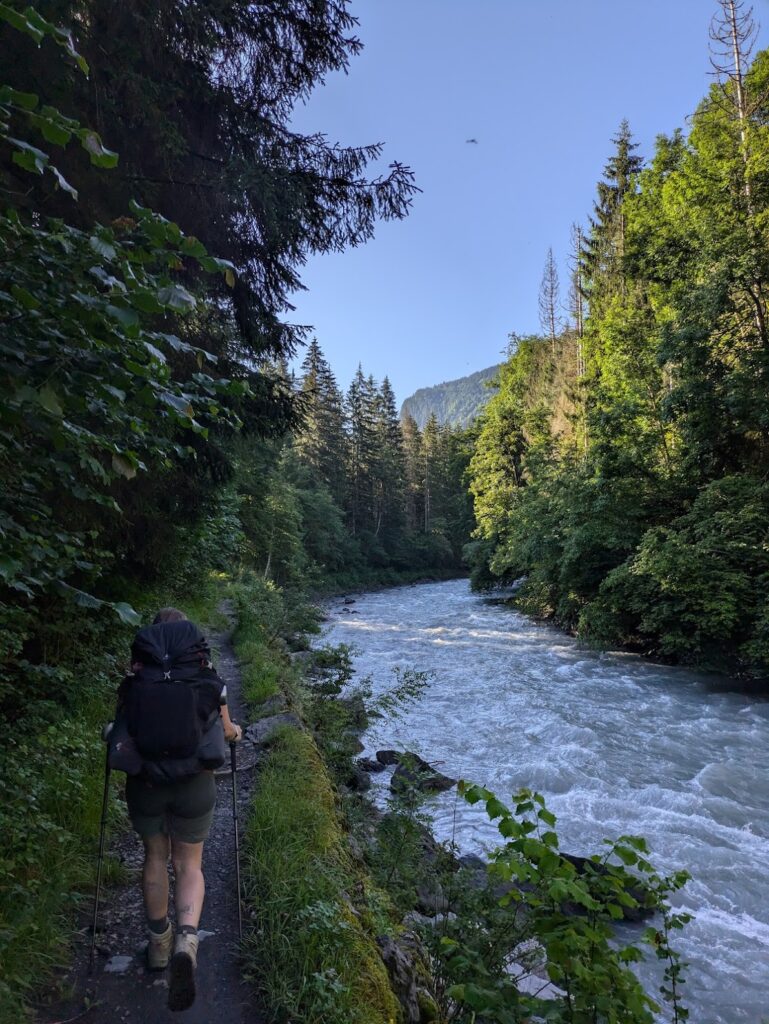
[(169, 615)]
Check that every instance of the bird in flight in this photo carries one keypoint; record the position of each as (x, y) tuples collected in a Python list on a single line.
[(474, 141)]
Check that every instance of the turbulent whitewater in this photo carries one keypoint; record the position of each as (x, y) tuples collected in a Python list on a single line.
[(614, 743)]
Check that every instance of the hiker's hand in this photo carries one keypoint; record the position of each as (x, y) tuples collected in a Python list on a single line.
[(235, 735)]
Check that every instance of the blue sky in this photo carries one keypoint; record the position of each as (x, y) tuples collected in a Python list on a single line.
[(542, 85)]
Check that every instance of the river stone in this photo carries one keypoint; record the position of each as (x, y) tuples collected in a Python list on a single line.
[(416, 920), (638, 892), (399, 961), (472, 861), (366, 764), (359, 781), (263, 731), (349, 600), (387, 758), (431, 899), (301, 657), (415, 773)]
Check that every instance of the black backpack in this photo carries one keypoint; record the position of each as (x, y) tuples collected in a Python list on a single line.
[(170, 705)]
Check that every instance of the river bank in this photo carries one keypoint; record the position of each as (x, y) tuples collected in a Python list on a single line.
[(616, 744)]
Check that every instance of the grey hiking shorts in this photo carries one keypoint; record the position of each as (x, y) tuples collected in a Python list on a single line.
[(182, 809)]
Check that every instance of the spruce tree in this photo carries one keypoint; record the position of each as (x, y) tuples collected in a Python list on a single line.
[(414, 466), (389, 474), (321, 442), (360, 432), (605, 246)]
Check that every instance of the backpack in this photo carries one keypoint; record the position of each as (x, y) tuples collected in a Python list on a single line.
[(169, 711)]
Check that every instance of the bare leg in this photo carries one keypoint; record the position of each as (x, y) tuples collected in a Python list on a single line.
[(190, 886), (155, 876)]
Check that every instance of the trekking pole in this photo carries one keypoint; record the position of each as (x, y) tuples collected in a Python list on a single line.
[(104, 803), (233, 766)]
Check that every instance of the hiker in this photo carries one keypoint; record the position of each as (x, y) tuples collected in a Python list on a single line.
[(177, 720)]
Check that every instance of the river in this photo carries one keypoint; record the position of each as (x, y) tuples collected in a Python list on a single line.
[(614, 743)]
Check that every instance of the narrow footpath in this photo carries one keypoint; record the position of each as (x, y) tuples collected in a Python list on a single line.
[(120, 989)]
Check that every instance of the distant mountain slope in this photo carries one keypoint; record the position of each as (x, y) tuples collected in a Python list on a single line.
[(456, 402)]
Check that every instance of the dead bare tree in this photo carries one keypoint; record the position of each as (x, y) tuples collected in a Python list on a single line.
[(577, 292), (549, 290), (733, 34)]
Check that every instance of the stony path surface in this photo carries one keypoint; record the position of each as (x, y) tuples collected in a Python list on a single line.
[(122, 991)]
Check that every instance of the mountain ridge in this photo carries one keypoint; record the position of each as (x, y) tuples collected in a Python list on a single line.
[(455, 402)]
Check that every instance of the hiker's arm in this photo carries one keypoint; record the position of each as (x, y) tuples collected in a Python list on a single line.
[(232, 731)]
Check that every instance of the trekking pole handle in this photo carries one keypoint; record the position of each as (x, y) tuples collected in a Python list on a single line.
[(107, 730)]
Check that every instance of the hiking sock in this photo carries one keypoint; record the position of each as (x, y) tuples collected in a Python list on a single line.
[(157, 925)]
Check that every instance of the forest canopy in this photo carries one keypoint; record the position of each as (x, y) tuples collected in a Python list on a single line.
[(621, 469)]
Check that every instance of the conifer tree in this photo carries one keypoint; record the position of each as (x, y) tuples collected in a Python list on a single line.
[(414, 458), (321, 442), (389, 465), (605, 246), (360, 432), (431, 449)]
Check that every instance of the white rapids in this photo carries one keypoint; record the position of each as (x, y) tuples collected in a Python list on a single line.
[(615, 744)]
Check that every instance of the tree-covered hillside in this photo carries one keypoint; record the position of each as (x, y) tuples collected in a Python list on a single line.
[(622, 466), (455, 402)]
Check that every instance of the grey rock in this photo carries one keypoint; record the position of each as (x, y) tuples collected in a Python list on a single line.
[(366, 764), (263, 731), (431, 899), (359, 781), (416, 920), (415, 773), (349, 600), (472, 861), (399, 962), (274, 705), (301, 657), (388, 757)]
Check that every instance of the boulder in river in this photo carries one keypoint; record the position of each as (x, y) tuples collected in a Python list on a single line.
[(417, 774), (388, 758)]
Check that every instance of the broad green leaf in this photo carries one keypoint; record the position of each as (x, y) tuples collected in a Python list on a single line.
[(50, 401), (62, 181), (127, 317), (99, 154), (174, 296), (495, 808), (25, 100), (126, 613), (80, 597), (104, 248), (28, 157), (26, 298), (20, 22), (180, 403)]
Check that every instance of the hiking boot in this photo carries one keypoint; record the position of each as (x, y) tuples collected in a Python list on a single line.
[(181, 985), (159, 948)]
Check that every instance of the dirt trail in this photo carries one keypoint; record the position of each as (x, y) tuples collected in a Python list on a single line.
[(123, 990)]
